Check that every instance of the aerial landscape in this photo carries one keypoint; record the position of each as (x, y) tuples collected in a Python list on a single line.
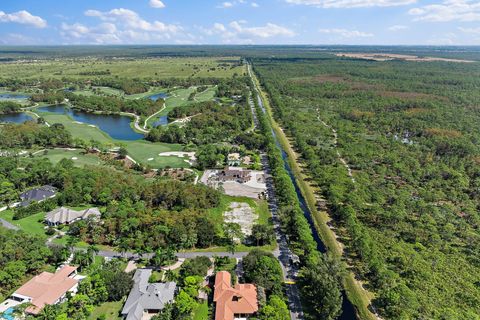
[(269, 160)]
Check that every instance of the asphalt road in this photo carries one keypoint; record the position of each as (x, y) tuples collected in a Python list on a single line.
[(184, 255)]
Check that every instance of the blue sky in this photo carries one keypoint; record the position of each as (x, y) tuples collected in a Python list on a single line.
[(49, 22)]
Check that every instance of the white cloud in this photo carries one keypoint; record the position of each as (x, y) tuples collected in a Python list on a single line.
[(351, 3), (233, 3), (449, 10), (157, 4), (344, 33), (23, 17), (226, 4), (470, 30), (397, 27), (131, 20), (122, 26), (238, 32)]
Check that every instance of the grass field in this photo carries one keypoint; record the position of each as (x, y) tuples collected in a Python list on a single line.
[(30, 225), (79, 159), (140, 150), (176, 98), (101, 91), (201, 312), (111, 310), (140, 68), (81, 131)]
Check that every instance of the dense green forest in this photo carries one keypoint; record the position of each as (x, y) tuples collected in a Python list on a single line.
[(210, 123), (408, 133), (320, 275)]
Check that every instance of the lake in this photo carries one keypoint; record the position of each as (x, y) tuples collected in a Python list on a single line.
[(116, 126), (15, 117), (157, 96), (12, 96)]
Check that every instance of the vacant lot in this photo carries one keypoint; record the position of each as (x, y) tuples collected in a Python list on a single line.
[(388, 56), (141, 68)]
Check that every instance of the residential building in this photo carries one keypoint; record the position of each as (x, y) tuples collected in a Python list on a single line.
[(146, 299), (234, 174), (37, 195), (67, 216), (47, 288), (238, 302)]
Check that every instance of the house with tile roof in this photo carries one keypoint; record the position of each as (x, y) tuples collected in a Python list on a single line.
[(47, 288), (146, 299), (37, 195), (237, 302), (66, 216)]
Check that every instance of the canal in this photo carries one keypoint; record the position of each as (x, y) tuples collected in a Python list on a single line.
[(348, 310)]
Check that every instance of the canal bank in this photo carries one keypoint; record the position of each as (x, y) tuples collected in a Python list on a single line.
[(356, 299)]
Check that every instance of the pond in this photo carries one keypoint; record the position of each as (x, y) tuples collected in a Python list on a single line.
[(162, 121), (15, 117), (12, 96), (157, 96), (116, 126)]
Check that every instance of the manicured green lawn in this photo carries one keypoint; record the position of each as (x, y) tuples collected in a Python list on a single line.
[(176, 98), (82, 131), (139, 150), (110, 309), (77, 156), (206, 95), (201, 312), (30, 225), (151, 92), (142, 151)]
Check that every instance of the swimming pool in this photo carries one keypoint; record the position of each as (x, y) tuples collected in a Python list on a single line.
[(8, 314)]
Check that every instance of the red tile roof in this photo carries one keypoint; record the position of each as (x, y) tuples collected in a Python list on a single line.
[(47, 288), (240, 299)]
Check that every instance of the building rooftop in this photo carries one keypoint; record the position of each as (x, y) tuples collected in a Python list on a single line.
[(47, 288), (240, 299), (147, 296), (37, 194), (65, 215)]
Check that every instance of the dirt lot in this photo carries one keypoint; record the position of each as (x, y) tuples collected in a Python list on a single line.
[(254, 188), (391, 56), (243, 214)]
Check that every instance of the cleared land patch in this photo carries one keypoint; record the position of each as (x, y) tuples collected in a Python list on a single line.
[(391, 56)]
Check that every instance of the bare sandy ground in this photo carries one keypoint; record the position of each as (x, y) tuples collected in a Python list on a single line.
[(241, 213), (392, 56), (252, 189)]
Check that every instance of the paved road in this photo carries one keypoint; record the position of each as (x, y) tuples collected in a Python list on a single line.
[(8, 225), (182, 255), (283, 252)]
